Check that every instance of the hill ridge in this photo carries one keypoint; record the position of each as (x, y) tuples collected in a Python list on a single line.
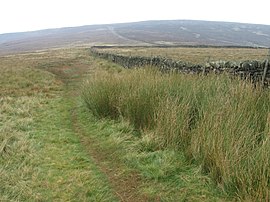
[(155, 32)]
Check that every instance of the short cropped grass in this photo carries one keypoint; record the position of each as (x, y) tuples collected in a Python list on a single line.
[(66, 171), (220, 124)]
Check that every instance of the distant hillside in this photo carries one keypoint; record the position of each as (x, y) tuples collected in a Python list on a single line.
[(173, 32), (197, 33)]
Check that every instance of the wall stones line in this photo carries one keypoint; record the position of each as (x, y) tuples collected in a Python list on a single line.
[(256, 71)]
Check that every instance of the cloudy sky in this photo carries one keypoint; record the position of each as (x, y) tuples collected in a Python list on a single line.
[(26, 15)]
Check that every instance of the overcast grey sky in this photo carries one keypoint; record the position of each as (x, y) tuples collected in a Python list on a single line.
[(26, 15)]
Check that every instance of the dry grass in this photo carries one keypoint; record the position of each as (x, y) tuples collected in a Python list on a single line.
[(23, 90), (41, 159), (195, 55)]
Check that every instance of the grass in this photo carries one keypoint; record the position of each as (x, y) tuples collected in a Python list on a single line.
[(179, 135), (41, 157), (166, 174), (66, 172), (219, 124), (194, 55), (21, 95)]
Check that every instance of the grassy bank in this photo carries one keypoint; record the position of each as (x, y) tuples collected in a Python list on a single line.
[(221, 125), (41, 157), (22, 91)]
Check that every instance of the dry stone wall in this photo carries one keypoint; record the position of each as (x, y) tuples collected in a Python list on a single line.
[(256, 71)]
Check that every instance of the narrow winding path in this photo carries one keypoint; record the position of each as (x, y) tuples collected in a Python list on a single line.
[(124, 184)]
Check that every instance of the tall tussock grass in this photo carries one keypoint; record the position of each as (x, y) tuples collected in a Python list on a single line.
[(223, 125)]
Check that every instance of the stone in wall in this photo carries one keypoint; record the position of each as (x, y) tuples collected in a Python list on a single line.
[(252, 70)]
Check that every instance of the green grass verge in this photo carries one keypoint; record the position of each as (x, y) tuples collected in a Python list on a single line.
[(66, 171)]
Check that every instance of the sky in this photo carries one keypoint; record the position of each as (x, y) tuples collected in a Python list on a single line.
[(29, 15)]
